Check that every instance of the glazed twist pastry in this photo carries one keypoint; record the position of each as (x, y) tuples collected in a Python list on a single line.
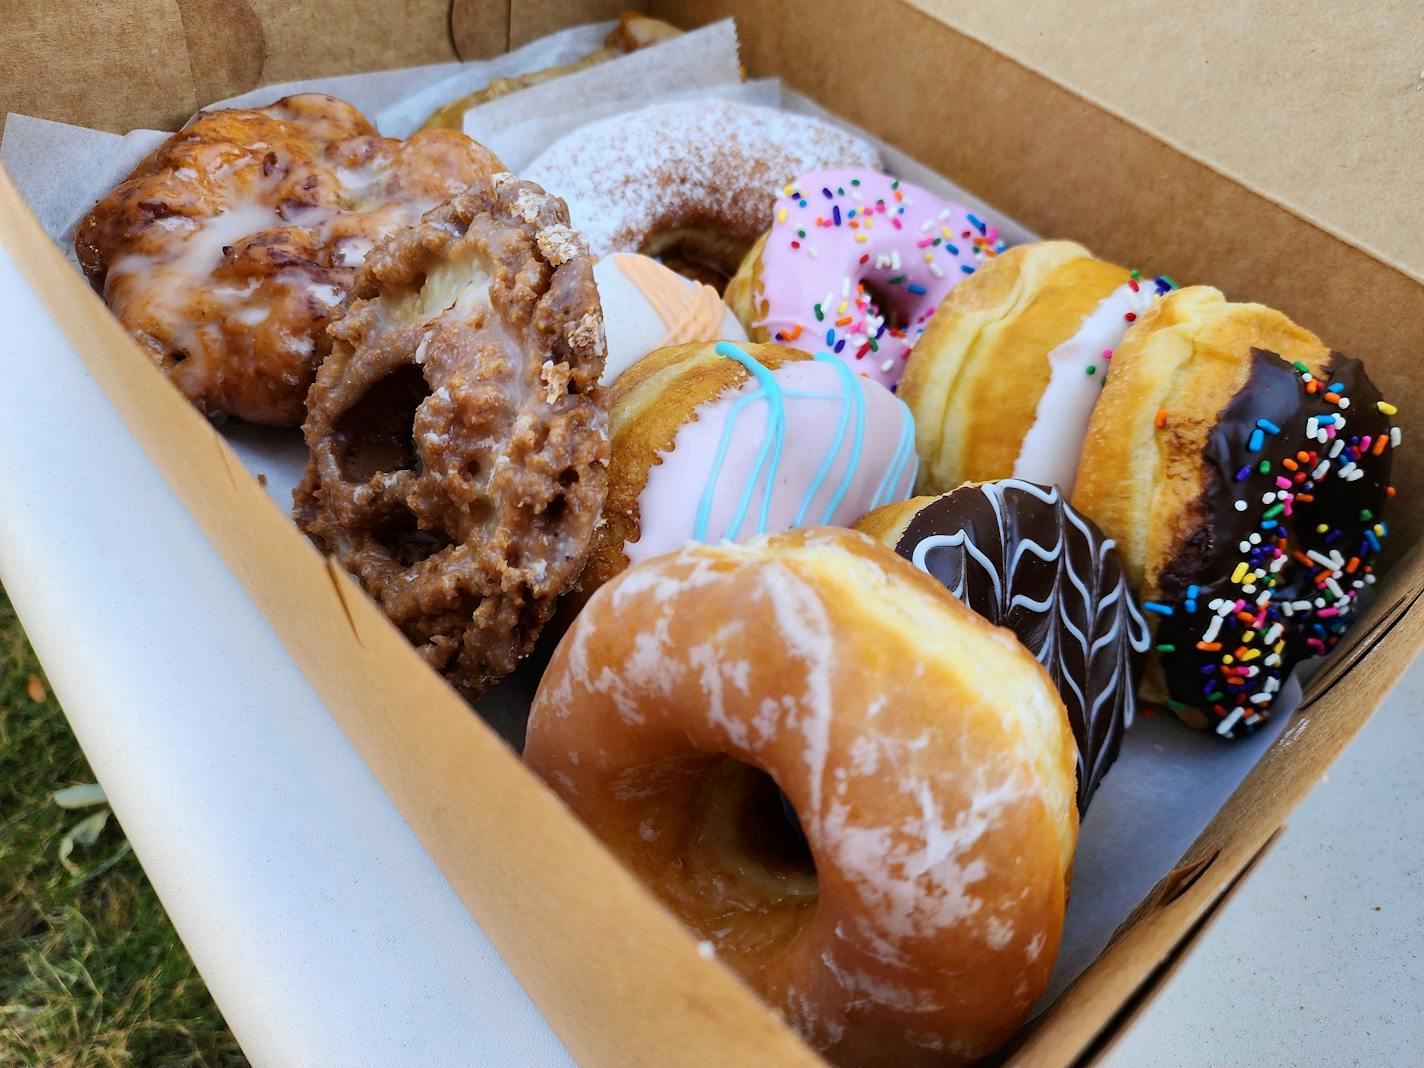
[(634, 31)]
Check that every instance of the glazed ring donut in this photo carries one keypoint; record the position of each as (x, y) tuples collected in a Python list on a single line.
[(692, 183), (458, 442), (230, 248), (716, 442), (1243, 470), (1004, 380), (1023, 558), (924, 751), (857, 262)]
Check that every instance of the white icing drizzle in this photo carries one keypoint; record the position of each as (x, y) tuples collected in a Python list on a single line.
[(1051, 448), (1113, 623)]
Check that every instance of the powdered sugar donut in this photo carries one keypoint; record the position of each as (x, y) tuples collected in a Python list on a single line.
[(857, 262), (692, 181), (646, 306)]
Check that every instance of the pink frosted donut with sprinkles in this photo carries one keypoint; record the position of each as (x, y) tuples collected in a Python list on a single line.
[(856, 262)]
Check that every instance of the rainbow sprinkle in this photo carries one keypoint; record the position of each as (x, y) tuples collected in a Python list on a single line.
[(1293, 590)]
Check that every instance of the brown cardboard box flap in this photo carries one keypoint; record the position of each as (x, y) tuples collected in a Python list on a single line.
[(63, 59), (1316, 106), (619, 978)]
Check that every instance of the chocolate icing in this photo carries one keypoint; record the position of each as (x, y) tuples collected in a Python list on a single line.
[(1017, 554), (1313, 601)]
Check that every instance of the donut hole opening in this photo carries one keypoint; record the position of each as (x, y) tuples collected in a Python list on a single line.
[(377, 433), (746, 814), (707, 256), (888, 301), (407, 541)]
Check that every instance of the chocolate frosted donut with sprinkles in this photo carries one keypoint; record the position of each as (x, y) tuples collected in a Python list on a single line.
[(1244, 470), (857, 262)]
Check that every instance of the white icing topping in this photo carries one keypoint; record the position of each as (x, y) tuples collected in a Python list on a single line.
[(635, 325), (1050, 450)]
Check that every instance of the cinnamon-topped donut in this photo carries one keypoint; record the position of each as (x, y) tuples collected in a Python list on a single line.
[(857, 262), (693, 182), (229, 249), (1023, 558), (1243, 470), (925, 753), (459, 442)]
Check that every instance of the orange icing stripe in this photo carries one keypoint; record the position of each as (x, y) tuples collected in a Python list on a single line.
[(690, 312)]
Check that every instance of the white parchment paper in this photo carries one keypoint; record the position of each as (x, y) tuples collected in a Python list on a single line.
[(1168, 782)]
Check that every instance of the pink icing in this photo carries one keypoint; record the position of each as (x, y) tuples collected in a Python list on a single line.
[(884, 472), (835, 233)]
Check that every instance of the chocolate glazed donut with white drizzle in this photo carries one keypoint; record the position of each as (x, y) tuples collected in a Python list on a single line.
[(1020, 556)]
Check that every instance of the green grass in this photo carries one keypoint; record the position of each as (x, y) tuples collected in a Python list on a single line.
[(91, 971)]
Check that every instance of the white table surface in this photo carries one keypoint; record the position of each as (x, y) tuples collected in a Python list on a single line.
[(326, 933)]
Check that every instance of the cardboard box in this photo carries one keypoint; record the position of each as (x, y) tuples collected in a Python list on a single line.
[(1094, 128)]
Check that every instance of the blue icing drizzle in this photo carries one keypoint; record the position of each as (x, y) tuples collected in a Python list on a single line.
[(852, 421), (904, 454)]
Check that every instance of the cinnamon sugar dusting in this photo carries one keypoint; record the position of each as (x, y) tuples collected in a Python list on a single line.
[(704, 165)]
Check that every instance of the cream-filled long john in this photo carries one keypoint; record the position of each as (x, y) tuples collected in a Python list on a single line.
[(1005, 379)]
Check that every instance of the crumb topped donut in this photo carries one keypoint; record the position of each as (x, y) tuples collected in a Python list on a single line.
[(857, 262), (1023, 558), (722, 442), (1243, 469), (692, 183), (1004, 381), (459, 443), (230, 248), (925, 753)]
